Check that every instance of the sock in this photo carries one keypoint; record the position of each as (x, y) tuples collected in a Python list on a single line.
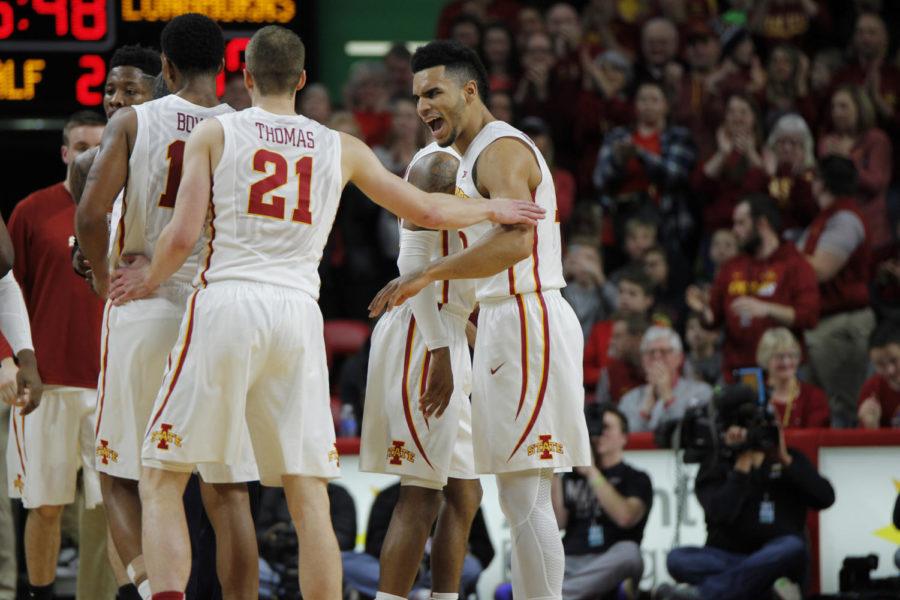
[(444, 596), (144, 590), (381, 596), (128, 592), (40, 592), (168, 596)]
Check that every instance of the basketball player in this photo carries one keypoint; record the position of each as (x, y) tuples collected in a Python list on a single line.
[(251, 347), (143, 146), (527, 394), (431, 449)]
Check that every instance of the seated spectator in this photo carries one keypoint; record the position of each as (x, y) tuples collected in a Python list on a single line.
[(361, 569), (400, 75), (879, 398), (641, 234), (500, 58), (837, 247), (797, 404), (767, 285), (854, 135), (722, 247), (563, 180), (756, 504), (467, 30), (659, 54), (530, 20), (623, 371), (696, 105), (735, 169), (666, 394), (645, 168), (501, 106), (315, 103), (704, 358), (276, 538), (505, 11), (787, 86), (406, 136), (740, 70), (635, 296), (669, 284), (534, 93), (366, 96), (790, 162), (799, 22), (583, 270), (604, 509)]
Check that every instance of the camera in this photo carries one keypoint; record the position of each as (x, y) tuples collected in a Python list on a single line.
[(701, 432)]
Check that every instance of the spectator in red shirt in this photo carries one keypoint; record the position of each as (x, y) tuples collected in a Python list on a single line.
[(740, 71), (787, 86), (366, 95), (500, 58), (838, 249), (623, 371), (51, 444), (879, 398), (767, 285), (789, 160), (797, 404), (736, 168), (696, 105), (855, 136), (793, 21)]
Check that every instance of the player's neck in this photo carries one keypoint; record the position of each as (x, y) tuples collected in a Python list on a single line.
[(200, 91), (277, 105), (472, 128)]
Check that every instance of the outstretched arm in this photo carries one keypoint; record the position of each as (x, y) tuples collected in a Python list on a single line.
[(177, 240), (433, 211), (506, 168), (105, 179)]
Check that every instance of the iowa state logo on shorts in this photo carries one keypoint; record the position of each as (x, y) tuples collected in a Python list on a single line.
[(106, 454), (545, 447), (333, 455), (396, 453), (165, 436)]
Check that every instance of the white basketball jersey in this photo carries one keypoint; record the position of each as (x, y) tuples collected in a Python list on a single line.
[(460, 293), (276, 191), (154, 172), (543, 269)]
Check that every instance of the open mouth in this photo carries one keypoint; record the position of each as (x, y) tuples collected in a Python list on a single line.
[(437, 126)]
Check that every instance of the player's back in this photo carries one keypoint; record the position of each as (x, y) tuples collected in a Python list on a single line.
[(276, 191), (542, 270), (154, 172)]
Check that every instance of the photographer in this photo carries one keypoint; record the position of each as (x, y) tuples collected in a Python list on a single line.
[(603, 509), (755, 495)]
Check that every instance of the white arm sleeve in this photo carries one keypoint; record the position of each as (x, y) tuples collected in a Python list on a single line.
[(416, 249), (14, 315)]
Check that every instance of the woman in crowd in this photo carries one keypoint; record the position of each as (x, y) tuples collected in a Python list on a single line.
[(796, 404), (500, 57), (853, 134), (787, 85), (789, 161)]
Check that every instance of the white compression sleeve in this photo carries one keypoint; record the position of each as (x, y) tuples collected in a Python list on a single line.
[(14, 315), (416, 249)]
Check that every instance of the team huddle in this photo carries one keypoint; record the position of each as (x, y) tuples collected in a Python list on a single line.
[(212, 351)]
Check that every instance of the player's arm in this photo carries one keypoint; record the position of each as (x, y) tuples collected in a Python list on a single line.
[(506, 168), (104, 182), (434, 211), (79, 171), (177, 239), (16, 329), (7, 252)]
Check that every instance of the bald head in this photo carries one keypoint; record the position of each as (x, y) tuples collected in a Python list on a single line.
[(659, 41)]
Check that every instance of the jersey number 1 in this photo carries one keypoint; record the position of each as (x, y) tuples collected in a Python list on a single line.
[(175, 156), (274, 207)]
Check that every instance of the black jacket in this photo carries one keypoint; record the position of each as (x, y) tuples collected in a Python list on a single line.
[(744, 511)]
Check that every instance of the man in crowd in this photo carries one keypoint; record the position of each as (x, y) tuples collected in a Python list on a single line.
[(666, 394), (767, 285), (623, 371), (755, 498), (879, 399), (603, 508), (837, 246)]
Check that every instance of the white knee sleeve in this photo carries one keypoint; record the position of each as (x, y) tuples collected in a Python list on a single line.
[(537, 552)]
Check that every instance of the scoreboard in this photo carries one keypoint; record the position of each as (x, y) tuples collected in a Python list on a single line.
[(53, 53)]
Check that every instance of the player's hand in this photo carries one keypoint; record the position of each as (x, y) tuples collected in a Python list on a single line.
[(439, 388), (8, 384), (397, 292), (29, 384), (516, 212), (131, 281)]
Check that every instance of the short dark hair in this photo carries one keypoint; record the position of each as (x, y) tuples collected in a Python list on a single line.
[(194, 43), (885, 333), (80, 119), (596, 412), (762, 206), (398, 50), (457, 59), (635, 274), (838, 174), (636, 324), (275, 59), (139, 57)]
